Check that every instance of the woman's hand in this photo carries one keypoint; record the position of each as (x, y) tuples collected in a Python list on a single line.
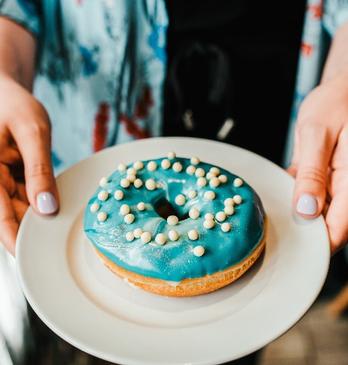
[(26, 175), (320, 160)]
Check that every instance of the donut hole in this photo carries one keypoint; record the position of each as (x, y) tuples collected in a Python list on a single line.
[(164, 209)]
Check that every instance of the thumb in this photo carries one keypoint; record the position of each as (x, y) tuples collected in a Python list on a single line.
[(33, 141), (314, 154)]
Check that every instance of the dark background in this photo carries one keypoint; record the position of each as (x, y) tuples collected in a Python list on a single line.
[(233, 59)]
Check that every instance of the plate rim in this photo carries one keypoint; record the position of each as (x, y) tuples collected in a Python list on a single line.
[(80, 345)]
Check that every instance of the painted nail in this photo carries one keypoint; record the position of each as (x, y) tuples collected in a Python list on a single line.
[(46, 203), (307, 204)]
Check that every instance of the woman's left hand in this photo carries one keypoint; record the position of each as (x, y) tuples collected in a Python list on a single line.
[(320, 159)]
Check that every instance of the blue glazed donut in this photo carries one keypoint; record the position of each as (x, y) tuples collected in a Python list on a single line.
[(216, 222)]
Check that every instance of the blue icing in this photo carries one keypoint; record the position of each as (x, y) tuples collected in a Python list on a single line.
[(175, 261)]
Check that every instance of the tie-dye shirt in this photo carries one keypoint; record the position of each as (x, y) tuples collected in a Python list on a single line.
[(100, 70)]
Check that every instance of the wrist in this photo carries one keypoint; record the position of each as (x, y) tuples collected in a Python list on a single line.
[(8, 79), (337, 60)]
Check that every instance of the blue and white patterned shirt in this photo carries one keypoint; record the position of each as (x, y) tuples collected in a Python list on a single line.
[(100, 70)]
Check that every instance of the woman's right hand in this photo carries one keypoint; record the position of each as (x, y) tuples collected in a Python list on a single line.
[(26, 174)]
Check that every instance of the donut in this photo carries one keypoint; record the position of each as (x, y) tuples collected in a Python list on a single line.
[(176, 226)]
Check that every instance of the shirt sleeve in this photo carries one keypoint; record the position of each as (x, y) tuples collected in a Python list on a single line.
[(23, 12), (335, 15)]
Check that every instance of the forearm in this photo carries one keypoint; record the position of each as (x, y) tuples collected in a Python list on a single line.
[(17, 53), (337, 60)]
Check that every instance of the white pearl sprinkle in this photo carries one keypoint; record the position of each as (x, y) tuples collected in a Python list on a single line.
[(180, 199), (121, 167), (228, 201), (146, 237), (131, 178), (237, 199), (198, 251), (131, 171), (141, 206), (103, 182), (209, 175), (177, 166), (214, 182), (222, 178), (130, 236), (94, 207), (193, 235), (150, 184), (229, 209), (124, 209), (214, 170), (209, 223), (138, 165), (220, 216), (209, 195), (208, 216), (192, 194), (118, 194), (138, 183), (102, 216), (161, 238), (129, 218), (190, 170), (225, 227), (173, 235), (103, 195), (125, 183), (194, 213), (137, 232), (199, 172), (171, 155), (165, 164), (201, 181), (195, 160), (151, 166), (172, 220), (237, 182)]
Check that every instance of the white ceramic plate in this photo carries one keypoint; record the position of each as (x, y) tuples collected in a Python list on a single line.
[(88, 306)]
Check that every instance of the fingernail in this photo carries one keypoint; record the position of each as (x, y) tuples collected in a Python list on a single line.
[(307, 204), (46, 203)]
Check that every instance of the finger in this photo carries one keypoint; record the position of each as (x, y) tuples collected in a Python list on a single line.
[(292, 170), (8, 222), (6, 180), (8, 153), (19, 208), (21, 193), (296, 150), (336, 217), (326, 208), (315, 150), (33, 141), (340, 158)]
